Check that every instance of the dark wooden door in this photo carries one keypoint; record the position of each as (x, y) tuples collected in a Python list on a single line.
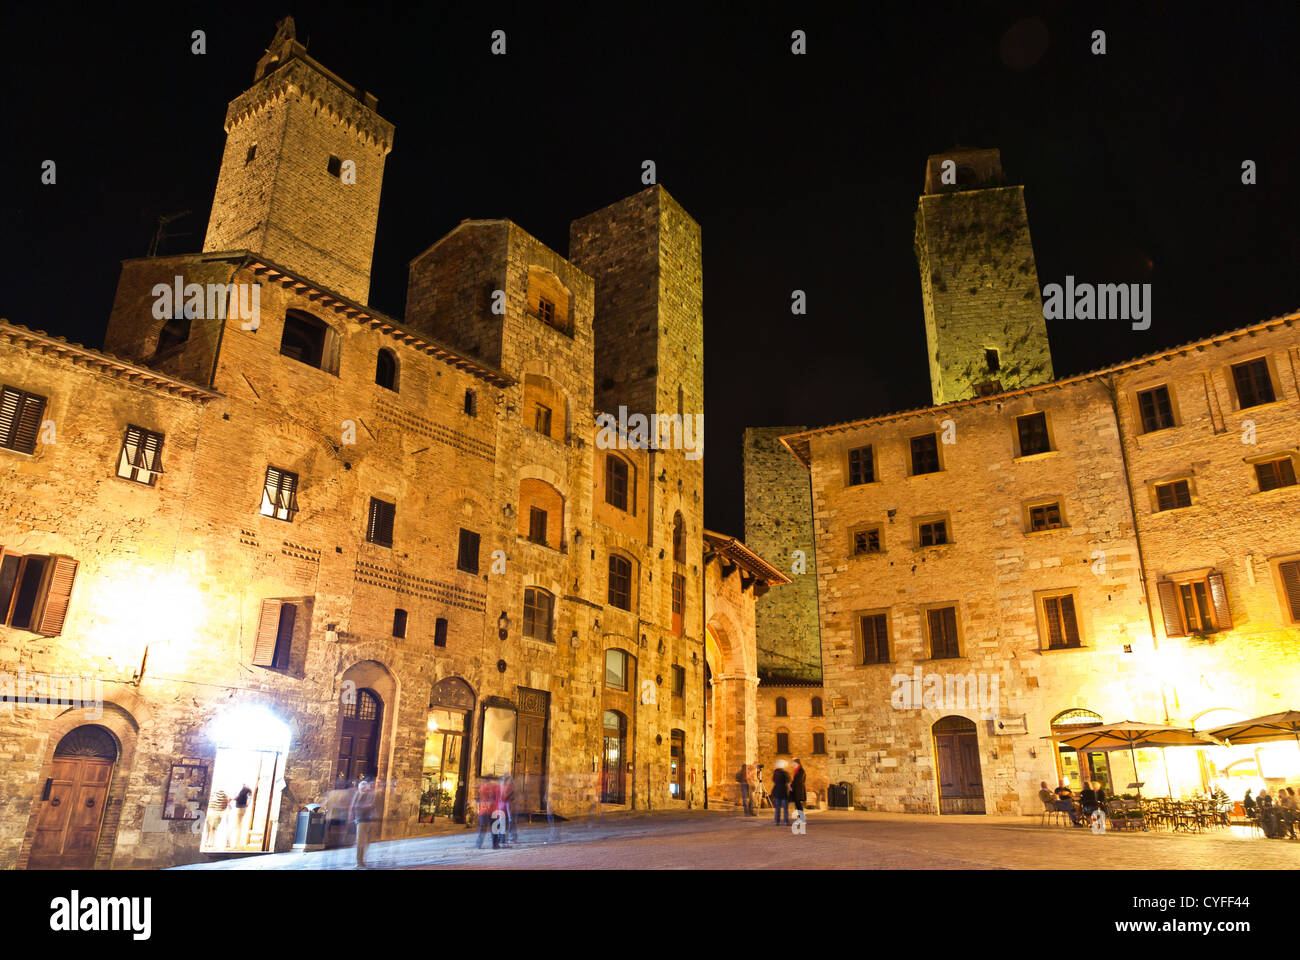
[(67, 830), (359, 738), (530, 751), (961, 781)]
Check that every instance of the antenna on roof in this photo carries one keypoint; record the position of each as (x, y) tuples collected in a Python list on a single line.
[(161, 234)]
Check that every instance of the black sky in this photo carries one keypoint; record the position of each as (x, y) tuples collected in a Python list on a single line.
[(803, 171)]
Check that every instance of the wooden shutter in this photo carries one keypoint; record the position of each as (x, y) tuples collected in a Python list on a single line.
[(1219, 596), (1170, 610), (1068, 622), (268, 634), (20, 419), (1291, 582), (62, 571)]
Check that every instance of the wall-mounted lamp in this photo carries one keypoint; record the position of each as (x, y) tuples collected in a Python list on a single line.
[(1033, 752), (503, 625), (574, 641), (577, 536), (508, 511)]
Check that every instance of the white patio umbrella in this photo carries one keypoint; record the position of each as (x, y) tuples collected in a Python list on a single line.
[(1275, 726), (1131, 734)]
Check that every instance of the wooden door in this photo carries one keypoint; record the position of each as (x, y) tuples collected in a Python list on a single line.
[(961, 781), (359, 738), (72, 810), (530, 751)]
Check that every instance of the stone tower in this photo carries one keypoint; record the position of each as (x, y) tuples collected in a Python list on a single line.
[(644, 253), (979, 284), (302, 170), (779, 522)]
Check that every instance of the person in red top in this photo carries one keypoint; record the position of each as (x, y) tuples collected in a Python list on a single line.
[(489, 801)]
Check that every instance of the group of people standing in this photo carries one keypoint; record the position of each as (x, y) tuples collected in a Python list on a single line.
[(787, 787), (228, 818)]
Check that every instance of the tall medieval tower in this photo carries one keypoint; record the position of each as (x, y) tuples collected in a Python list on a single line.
[(979, 284), (302, 170), (644, 253)]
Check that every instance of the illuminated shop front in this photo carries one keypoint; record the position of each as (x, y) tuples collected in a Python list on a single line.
[(442, 792), (247, 780)]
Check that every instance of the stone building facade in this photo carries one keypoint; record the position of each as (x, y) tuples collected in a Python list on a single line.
[(1119, 545), (290, 542)]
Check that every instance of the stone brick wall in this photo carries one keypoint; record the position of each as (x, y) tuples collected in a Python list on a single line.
[(979, 283), (800, 724), (778, 521)]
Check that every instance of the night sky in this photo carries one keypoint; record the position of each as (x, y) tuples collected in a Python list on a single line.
[(803, 171)]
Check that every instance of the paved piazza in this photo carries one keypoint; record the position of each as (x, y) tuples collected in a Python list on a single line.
[(835, 840)]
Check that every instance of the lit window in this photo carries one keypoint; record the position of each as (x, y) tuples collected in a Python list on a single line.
[(280, 494), (141, 456), (616, 669)]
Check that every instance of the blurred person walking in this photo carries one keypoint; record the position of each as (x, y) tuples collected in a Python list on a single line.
[(780, 793)]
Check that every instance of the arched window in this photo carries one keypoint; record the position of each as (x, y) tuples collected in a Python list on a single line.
[(538, 605), (780, 707), (620, 582), (386, 369), (310, 341), (816, 706), (174, 332), (679, 538)]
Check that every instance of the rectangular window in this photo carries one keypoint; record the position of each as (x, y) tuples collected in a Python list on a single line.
[(1254, 386), (1197, 606), (252, 152), (819, 743), (379, 525), (620, 582), (1062, 625), (866, 541), (679, 602), (932, 533), (875, 638), (1032, 431), (1195, 597), (1275, 473), (20, 419), (1171, 496), (925, 454), (1290, 573), (274, 634), (440, 632), (943, 633), (1045, 516), (399, 623), (616, 476), (782, 742), (546, 311), (141, 456), (471, 403), (35, 592), (537, 525), (467, 552), (280, 496), (616, 669), (538, 606), (862, 466), (679, 681), (334, 166), (542, 420), (1157, 412)]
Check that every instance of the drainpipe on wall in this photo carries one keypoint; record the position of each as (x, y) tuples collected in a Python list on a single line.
[(704, 672), (1137, 536)]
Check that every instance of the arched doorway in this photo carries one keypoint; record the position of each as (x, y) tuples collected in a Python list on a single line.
[(446, 759), (358, 753), (957, 752), (614, 748), (1074, 767), (73, 800)]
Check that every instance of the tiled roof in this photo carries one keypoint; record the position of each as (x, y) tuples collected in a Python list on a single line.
[(41, 342), (735, 551)]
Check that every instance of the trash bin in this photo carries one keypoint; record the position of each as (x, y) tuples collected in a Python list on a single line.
[(310, 833)]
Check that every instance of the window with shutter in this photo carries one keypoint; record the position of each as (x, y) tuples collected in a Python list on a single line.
[(20, 419), (538, 606), (943, 633), (679, 603), (620, 582), (1219, 599), (537, 525), (1031, 430), (440, 632), (819, 742), (616, 481), (274, 634), (58, 593), (1171, 496), (399, 623), (1156, 410), (1254, 385), (1170, 608), (467, 553), (141, 456), (1290, 572), (1062, 626), (875, 638), (1273, 474), (379, 525), (782, 742), (280, 494)]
